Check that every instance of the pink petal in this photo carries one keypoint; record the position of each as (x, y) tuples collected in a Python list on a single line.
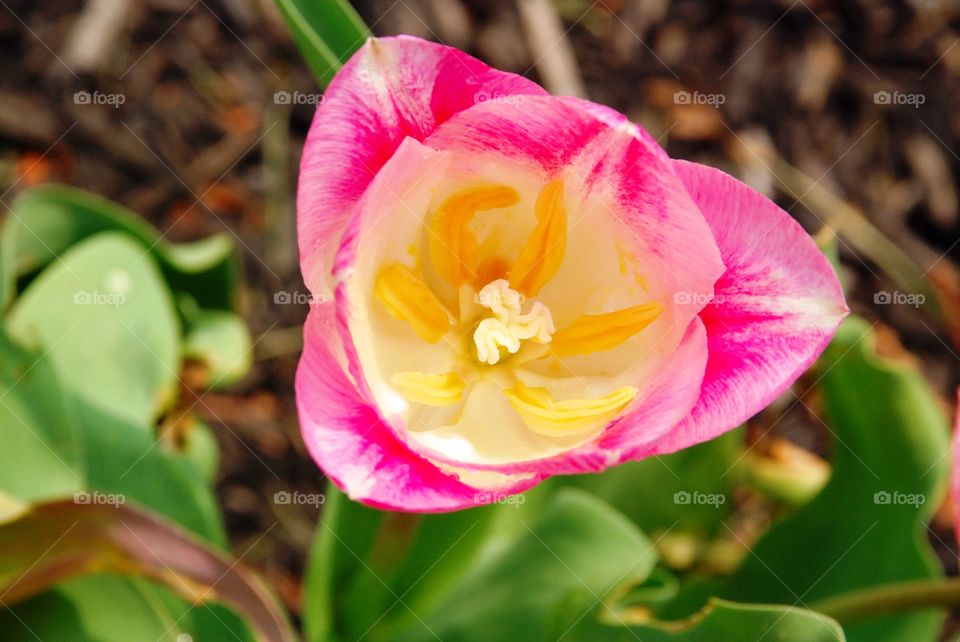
[(390, 89), (775, 308), (355, 448)]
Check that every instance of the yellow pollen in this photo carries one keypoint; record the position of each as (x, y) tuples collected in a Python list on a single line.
[(598, 332), (453, 247), (429, 389), (407, 298), (545, 416), (543, 254), (508, 326)]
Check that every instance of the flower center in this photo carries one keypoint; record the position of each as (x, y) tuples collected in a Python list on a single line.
[(508, 326)]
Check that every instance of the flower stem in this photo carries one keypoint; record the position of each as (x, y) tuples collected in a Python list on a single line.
[(887, 599)]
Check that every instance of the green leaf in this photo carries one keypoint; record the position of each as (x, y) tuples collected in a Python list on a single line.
[(867, 526), (657, 493), (553, 564), (41, 455), (221, 342), (104, 314), (327, 32), (46, 221), (63, 540)]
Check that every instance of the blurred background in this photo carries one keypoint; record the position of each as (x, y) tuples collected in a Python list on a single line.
[(192, 113)]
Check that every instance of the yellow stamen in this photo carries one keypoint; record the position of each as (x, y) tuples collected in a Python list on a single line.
[(453, 247), (407, 298), (429, 389), (545, 416), (541, 257), (597, 332)]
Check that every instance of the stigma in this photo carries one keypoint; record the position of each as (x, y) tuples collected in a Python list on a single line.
[(504, 331)]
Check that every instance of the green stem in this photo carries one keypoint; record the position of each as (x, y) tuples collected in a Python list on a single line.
[(887, 599)]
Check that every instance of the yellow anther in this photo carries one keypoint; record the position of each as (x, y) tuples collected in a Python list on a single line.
[(407, 298), (598, 332), (542, 255), (453, 247), (545, 416), (429, 389)]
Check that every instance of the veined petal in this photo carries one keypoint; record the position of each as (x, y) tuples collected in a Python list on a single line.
[(774, 309), (429, 389), (598, 332), (548, 417), (407, 298), (391, 89), (453, 247), (542, 255)]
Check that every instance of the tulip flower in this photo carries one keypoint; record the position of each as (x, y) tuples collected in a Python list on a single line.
[(513, 285)]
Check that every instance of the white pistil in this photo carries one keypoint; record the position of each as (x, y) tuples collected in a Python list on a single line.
[(508, 326)]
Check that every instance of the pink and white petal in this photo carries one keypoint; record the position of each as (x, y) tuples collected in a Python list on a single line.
[(774, 311), (358, 452), (390, 89), (612, 170)]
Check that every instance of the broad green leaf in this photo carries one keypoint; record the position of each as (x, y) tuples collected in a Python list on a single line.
[(688, 491), (41, 454), (867, 526), (64, 540), (325, 31), (555, 564), (46, 221), (104, 316), (221, 342)]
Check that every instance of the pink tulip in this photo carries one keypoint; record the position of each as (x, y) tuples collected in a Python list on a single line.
[(515, 285)]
